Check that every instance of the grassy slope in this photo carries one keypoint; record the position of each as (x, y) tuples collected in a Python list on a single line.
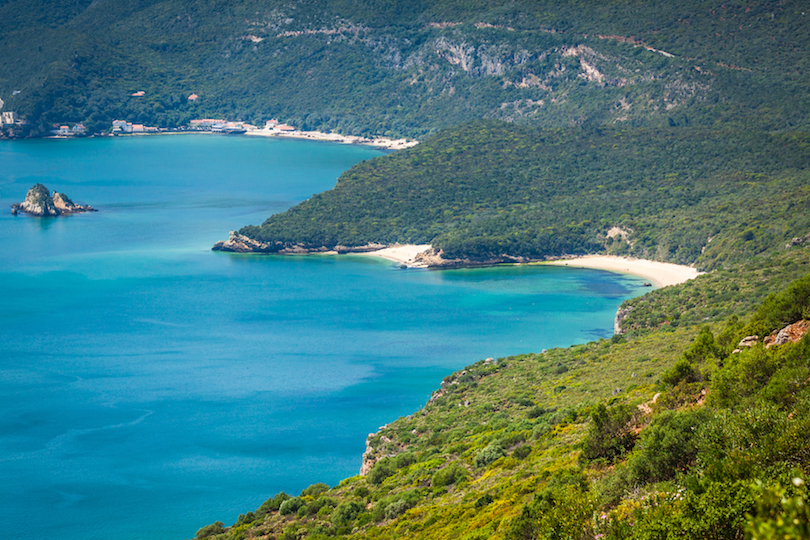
[(500, 436)]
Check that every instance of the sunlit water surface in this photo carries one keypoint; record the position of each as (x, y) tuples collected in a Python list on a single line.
[(151, 386)]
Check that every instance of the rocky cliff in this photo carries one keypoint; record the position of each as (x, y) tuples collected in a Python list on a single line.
[(39, 202)]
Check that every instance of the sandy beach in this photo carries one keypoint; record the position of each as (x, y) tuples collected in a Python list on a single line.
[(402, 254), (380, 142), (658, 273)]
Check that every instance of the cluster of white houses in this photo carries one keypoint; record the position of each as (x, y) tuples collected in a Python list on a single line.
[(223, 126), (215, 125), (67, 131), (122, 126)]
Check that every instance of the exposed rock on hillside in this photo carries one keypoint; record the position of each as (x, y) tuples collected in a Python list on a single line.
[(792, 333), (39, 202), (789, 334)]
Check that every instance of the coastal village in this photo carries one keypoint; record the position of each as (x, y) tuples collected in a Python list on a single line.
[(271, 128)]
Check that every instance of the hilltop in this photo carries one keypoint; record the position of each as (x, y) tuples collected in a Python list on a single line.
[(379, 68)]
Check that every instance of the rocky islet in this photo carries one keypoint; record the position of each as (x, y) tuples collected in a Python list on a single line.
[(39, 202)]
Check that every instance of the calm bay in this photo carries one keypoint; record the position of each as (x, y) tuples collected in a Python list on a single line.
[(151, 386)]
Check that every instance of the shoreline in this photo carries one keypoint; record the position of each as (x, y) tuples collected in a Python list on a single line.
[(659, 274), (406, 254), (380, 142)]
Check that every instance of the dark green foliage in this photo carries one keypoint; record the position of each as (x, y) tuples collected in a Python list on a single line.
[(346, 512), (210, 530), (683, 371), (484, 500), (490, 191), (291, 506), (775, 373), (558, 513), (490, 453), (717, 513), (315, 489), (449, 475), (521, 452), (782, 511), (703, 348), (273, 503), (381, 470), (535, 412), (666, 447), (782, 309), (610, 435), (388, 466), (377, 67)]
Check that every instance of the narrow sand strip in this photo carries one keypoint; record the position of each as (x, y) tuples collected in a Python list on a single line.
[(659, 273), (402, 254), (379, 142)]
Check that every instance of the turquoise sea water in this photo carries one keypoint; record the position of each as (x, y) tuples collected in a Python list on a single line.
[(151, 386)]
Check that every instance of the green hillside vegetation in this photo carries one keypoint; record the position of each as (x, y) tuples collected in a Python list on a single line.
[(490, 191), (407, 68), (659, 433)]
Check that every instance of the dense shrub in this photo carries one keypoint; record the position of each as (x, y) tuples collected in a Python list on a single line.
[(782, 308), (395, 509), (449, 475), (315, 489), (273, 503), (346, 512), (291, 506), (557, 513), (210, 530), (489, 453), (667, 446), (609, 435), (781, 512)]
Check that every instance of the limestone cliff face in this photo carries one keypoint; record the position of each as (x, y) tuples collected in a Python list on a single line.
[(39, 202)]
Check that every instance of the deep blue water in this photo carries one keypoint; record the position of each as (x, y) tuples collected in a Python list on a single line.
[(150, 386)]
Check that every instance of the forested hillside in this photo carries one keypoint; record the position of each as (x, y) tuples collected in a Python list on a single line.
[(406, 68), (489, 191)]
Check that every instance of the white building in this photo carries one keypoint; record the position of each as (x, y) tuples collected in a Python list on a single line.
[(121, 126), (9, 118)]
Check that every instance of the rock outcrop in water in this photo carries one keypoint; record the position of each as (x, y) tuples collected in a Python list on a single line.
[(39, 202)]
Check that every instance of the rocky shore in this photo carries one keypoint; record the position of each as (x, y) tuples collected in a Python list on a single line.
[(424, 257), (239, 243), (39, 202)]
